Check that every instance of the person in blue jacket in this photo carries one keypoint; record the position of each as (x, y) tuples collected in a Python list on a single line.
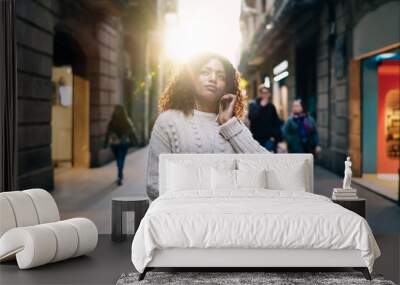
[(300, 131)]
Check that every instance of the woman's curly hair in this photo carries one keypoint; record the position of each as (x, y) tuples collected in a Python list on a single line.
[(178, 95)]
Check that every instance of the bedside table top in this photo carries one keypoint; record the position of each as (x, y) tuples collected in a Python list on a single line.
[(349, 200), (130, 198)]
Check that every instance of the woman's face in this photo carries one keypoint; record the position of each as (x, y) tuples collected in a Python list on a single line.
[(296, 107), (210, 83)]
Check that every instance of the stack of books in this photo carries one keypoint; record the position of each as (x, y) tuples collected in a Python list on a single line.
[(344, 194)]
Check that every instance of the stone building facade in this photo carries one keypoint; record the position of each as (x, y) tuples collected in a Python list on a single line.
[(320, 41), (90, 37)]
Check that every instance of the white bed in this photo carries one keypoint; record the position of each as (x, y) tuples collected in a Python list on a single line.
[(249, 227)]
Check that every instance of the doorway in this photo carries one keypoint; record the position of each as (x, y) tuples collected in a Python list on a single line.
[(70, 104), (306, 76), (61, 116), (70, 119)]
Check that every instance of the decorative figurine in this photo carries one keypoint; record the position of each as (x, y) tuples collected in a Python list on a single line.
[(346, 192), (347, 174)]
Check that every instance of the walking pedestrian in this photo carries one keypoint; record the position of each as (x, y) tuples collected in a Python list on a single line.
[(120, 135), (265, 124), (300, 131), (201, 112)]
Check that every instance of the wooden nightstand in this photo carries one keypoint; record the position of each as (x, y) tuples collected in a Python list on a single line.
[(358, 206)]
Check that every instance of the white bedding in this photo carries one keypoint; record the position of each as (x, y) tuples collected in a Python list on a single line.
[(252, 218)]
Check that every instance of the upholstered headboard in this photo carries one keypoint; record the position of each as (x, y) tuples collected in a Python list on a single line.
[(305, 161)]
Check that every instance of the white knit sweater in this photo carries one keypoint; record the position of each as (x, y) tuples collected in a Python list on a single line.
[(173, 132)]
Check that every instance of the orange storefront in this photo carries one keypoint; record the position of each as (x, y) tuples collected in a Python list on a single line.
[(380, 123), (388, 117)]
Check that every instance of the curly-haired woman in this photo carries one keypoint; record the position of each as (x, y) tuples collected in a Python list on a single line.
[(200, 112)]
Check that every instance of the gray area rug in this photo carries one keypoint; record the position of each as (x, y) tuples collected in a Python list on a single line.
[(228, 278)]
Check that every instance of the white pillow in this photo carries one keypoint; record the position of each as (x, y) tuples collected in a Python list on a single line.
[(283, 174), (181, 177), (227, 179), (251, 178), (223, 179), (291, 181)]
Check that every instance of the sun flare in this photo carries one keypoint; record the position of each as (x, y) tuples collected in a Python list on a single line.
[(199, 26)]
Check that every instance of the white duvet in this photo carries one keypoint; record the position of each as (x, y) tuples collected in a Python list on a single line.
[(253, 218)]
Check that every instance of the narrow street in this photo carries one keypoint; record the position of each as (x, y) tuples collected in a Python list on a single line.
[(87, 192), (97, 186)]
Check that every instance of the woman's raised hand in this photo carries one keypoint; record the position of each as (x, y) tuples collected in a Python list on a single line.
[(226, 108)]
